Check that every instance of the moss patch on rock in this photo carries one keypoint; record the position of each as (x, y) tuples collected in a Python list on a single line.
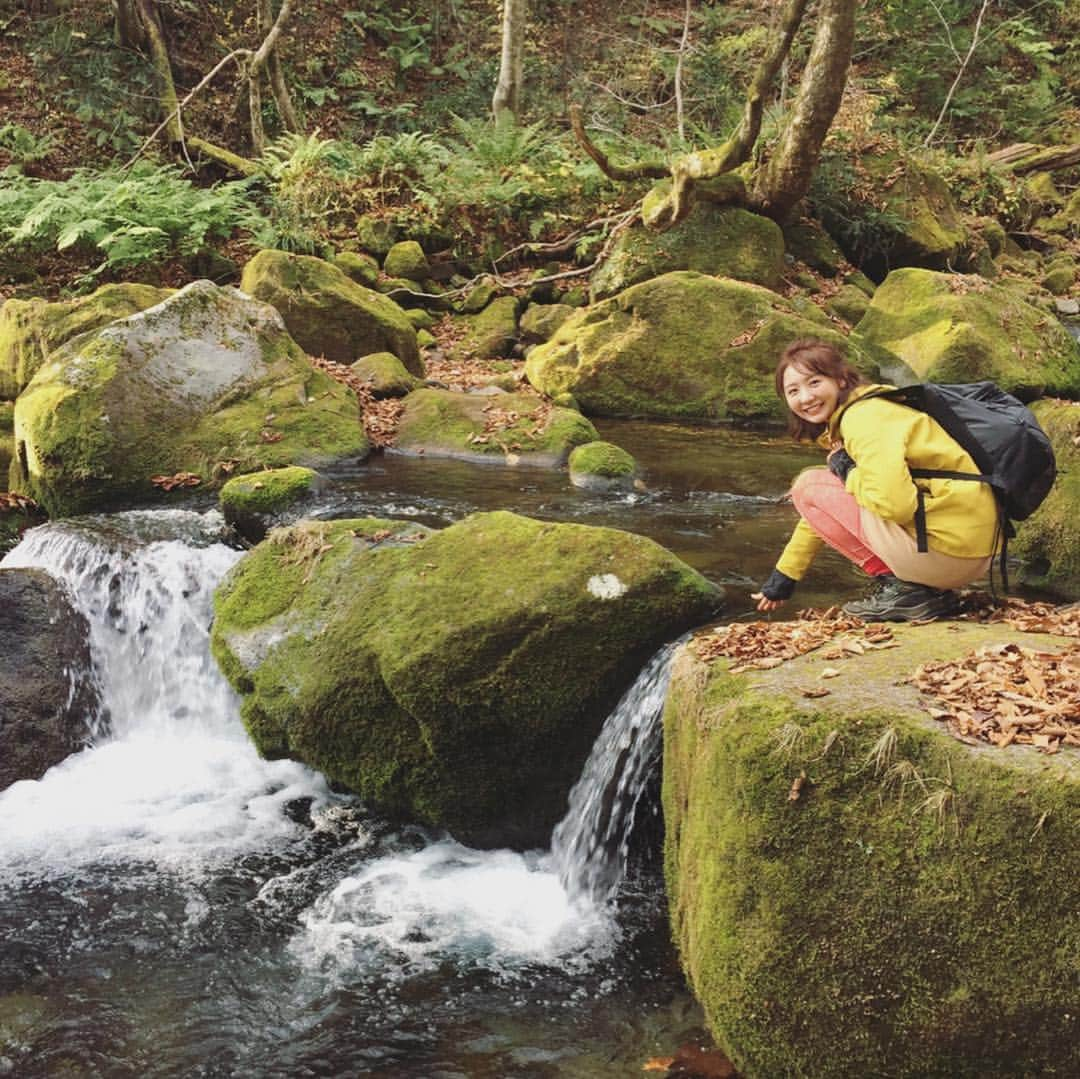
[(602, 466), (957, 328), (720, 240), (359, 267), (855, 892), (515, 428), (1049, 541), (387, 375), (456, 678), (253, 503), (808, 242), (407, 259), (7, 440), (31, 329), (489, 334), (683, 346), (329, 314), (207, 382), (540, 321)]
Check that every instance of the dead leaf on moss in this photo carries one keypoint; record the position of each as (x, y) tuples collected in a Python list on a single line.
[(175, 481)]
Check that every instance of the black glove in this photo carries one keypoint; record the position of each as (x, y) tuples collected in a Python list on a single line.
[(778, 586), (840, 463)]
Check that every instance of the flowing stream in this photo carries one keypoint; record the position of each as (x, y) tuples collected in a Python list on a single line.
[(173, 905)]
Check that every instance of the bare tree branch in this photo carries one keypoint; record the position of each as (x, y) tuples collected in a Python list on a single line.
[(642, 170), (959, 75)]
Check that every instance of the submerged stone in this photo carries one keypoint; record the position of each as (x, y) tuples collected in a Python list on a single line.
[(962, 328), (855, 892), (327, 313), (456, 678), (684, 345), (207, 382)]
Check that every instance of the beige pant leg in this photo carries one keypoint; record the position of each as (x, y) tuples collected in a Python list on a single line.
[(897, 548)]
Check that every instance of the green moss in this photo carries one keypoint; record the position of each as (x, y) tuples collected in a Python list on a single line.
[(490, 333), (327, 313), (911, 912), (267, 491), (458, 679), (407, 259), (954, 328), (1049, 542), (31, 329), (440, 422), (682, 346), (602, 459), (540, 321), (718, 240), (361, 268), (808, 242), (387, 375), (849, 303)]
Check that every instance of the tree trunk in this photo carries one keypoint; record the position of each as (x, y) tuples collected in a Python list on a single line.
[(720, 159), (785, 179), (507, 102), (159, 57), (127, 30), (276, 76)]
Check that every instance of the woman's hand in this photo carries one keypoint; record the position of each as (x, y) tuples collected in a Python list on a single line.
[(766, 604)]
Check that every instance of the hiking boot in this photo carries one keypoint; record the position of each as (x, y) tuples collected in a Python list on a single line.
[(893, 600)]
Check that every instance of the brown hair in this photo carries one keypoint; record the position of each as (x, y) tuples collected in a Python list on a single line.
[(821, 358)]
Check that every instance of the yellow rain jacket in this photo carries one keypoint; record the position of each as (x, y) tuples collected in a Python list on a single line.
[(885, 439)]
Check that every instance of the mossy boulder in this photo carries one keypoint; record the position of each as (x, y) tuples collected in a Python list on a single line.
[(387, 375), (206, 382), (376, 235), (719, 240), (808, 242), (1049, 541), (1066, 222), (7, 440), (853, 891), (682, 346), (914, 219), (407, 259), (31, 329), (457, 678), (421, 319), (478, 297), (849, 303), (327, 313), (513, 428), (540, 321), (358, 266), (254, 503), (489, 334), (1060, 276), (602, 466), (962, 328)]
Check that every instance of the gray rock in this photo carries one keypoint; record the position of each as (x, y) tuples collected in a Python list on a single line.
[(47, 693)]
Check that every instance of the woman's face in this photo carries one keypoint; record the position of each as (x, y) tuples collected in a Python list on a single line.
[(812, 397)]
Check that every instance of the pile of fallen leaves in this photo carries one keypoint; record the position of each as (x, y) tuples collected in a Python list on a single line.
[(763, 645), (498, 420), (380, 418), (1008, 694), (9, 500), (1019, 614)]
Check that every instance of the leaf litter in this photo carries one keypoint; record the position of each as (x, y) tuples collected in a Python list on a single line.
[(1002, 694)]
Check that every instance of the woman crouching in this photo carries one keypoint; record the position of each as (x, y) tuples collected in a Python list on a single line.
[(864, 503)]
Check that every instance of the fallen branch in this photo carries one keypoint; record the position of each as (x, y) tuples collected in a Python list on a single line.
[(640, 171)]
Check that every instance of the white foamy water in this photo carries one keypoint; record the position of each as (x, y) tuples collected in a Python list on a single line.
[(171, 777), (492, 909)]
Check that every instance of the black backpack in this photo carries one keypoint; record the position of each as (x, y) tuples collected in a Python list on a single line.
[(1004, 439)]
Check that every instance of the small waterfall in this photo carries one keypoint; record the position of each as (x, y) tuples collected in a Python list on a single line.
[(171, 778), (590, 845)]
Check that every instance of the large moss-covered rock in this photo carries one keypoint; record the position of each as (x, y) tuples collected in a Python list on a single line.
[(720, 240), (457, 678), (517, 428), (208, 377), (329, 314), (488, 334), (1049, 541), (853, 891), (31, 329), (48, 696), (682, 346), (913, 217), (958, 328)]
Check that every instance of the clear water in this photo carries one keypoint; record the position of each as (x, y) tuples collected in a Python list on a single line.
[(175, 906)]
